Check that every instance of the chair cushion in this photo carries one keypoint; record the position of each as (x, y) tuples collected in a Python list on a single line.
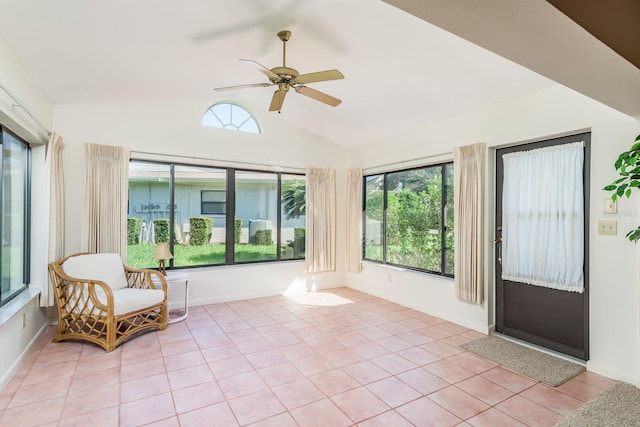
[(128, 299), (105, 267)]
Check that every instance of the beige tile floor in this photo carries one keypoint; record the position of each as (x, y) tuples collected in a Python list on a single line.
[(333, 358)]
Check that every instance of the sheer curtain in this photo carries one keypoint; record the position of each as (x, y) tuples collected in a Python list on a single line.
[(354, 220), (321, 220), (104, 210), (469, 171), (543, 217), (55, 177)]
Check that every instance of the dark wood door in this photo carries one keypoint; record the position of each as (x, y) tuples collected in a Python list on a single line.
[(554, 319)]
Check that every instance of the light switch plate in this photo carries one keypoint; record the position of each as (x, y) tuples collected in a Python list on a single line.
[(610, 206), (608, 227)]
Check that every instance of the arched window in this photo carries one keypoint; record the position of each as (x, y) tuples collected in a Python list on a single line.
[(230, 116)]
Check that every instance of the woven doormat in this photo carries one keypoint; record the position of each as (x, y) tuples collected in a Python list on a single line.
[(617, 406), (532, 363)]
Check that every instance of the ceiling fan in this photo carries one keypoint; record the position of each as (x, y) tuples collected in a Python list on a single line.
[(285, 78)]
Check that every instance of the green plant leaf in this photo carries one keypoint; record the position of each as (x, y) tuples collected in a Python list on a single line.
[(628, 192), (610, 187), (636, 146), (638, 138), (614, 197), (634, 183), (634, 235), (620, 190), (618, 181)]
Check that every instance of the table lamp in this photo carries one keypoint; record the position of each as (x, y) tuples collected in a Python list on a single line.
[(162, 253)]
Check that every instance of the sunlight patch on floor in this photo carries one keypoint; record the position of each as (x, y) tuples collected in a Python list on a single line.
[(299, 293)]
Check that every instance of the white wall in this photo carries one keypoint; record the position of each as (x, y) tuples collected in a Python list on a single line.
[(17, 337), (15, 79), (14, 337), (614, 294), (173, 130)]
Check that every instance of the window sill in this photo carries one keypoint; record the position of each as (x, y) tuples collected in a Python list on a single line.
[(17, 304)]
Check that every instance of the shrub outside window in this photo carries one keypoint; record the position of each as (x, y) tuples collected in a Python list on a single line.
[(409, 218)]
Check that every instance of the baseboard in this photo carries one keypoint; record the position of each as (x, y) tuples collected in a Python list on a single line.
[(8, 375), (613, 374), (484, 329), (250, 295)]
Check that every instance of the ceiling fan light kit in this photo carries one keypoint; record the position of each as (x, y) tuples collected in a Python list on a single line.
[(285, 78)]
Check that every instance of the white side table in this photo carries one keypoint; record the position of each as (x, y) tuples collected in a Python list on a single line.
[(176, 278)]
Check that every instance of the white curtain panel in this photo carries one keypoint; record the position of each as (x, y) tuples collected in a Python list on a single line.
[(320, 220), (543, 217), (104, 210), (55, 176), (354, 220), (469, 171)]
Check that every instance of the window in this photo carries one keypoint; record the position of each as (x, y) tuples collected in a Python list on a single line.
[(230, 116), (293, 216), (14, 251), (213, 202), (409, 218), (257, 200), (213, 216)]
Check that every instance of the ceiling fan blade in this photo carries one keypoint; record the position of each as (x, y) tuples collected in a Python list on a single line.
[(258, 66), (277, 100), (221, 89), (320, 76), (318, 96)]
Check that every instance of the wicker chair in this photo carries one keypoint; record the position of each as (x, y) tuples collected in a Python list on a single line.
[(103, 301)]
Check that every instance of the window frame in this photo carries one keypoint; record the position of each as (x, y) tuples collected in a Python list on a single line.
[(444, 193), (232, 124), (223, 203), (26, 236), (229, 212)]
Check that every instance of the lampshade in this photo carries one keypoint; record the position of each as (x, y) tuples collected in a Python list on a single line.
[(162, 251)]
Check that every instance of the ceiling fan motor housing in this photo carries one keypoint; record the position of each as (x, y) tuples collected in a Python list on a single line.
[(285, 74)]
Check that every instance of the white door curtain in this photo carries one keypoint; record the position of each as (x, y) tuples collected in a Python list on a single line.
[(543, 217)]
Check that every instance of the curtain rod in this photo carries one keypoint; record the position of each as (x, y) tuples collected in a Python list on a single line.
[(218, 160), (400, 162), (26, 110)]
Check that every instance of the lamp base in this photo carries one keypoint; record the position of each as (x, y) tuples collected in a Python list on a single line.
[(161, 267)]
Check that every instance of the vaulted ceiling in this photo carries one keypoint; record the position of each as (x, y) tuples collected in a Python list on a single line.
[(405, 63)]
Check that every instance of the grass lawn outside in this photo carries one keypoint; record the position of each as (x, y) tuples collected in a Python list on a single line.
[(141, 255)]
